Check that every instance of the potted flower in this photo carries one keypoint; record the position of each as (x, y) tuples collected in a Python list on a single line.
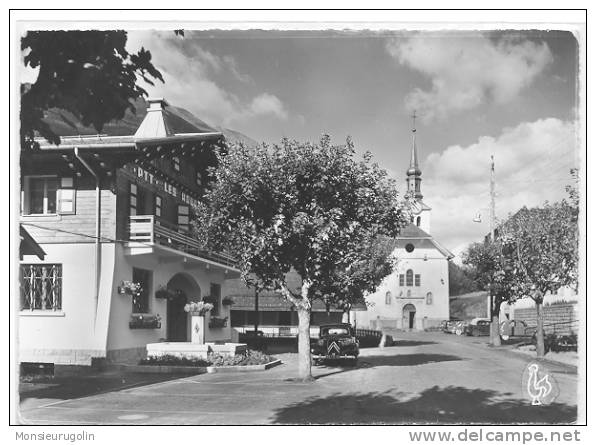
[(209, 299), (198, 308), (163, 292), (130, 288), (197, 311), (227, 301)]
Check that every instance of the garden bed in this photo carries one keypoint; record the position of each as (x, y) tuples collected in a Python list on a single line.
[(251, 358)]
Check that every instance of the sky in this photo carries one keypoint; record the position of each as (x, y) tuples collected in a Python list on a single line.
[(511, 94)]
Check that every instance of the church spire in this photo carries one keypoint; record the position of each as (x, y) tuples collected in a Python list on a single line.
[(414, 172)]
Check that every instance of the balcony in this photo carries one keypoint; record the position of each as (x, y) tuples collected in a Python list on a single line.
[(148, 231)]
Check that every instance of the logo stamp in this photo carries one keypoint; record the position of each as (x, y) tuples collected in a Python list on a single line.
[(539, 385)]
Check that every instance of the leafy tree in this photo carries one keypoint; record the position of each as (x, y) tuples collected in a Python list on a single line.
[(89, 73), (309, 207), (543, 249), (492, 270), (460, 280)]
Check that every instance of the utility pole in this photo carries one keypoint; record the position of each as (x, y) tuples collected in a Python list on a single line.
[(492, 198), (495, 335)]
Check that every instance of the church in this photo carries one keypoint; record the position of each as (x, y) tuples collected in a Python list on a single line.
[(415, 296)]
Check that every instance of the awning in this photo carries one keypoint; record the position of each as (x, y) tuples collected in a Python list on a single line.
[(29, 246)]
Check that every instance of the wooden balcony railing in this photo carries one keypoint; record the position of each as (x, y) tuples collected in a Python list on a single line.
[(149, 229)]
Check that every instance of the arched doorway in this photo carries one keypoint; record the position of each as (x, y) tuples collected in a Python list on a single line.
[(186, 289), (409, 316)]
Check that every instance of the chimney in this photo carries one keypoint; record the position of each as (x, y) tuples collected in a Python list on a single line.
[(155, 124)]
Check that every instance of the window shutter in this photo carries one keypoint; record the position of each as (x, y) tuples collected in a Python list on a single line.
[(66, 196), (132, 199), (183, 217)]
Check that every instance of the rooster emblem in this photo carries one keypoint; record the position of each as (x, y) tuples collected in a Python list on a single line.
[(539, 385)]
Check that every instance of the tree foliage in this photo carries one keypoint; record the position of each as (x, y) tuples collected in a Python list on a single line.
[(461, 280), (311, 208), (89, 73)]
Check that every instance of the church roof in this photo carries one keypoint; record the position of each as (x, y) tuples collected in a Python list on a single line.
[(413, 234)]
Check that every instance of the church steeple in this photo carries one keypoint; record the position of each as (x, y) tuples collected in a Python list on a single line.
[(414, 173)]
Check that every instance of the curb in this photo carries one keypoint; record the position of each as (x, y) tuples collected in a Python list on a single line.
[(247, 368), (528, 358), (193, 370)]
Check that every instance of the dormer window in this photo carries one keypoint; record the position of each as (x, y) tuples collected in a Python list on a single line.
[(176, 163), (199, 178)]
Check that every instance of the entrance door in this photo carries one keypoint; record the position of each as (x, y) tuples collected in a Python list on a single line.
[(409, 316), (177, 319)]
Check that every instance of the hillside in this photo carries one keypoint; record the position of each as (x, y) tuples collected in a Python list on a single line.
[(468, 306), (64, 123)]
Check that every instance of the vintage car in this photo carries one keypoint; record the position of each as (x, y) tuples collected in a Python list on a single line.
[(477, 327), (335, 341), (515, 328), (454, 326)]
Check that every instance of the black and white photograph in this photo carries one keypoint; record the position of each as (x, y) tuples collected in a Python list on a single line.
[(307, 222)]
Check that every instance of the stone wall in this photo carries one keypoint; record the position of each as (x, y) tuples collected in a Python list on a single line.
[(558, 318)]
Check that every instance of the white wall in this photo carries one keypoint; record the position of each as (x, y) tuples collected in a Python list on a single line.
[(434, 278), (121, 336), (69, 335)]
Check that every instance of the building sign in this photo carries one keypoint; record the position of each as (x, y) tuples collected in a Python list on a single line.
[(164, 185)]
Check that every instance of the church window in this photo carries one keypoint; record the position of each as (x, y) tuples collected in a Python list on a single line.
[(388, 298), (417, 280), (409, 277), (409, 247), (402, 278), (418, 221), (429, 298)]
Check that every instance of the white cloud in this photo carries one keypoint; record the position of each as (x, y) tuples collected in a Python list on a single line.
[(191, 81), (466, 72), (268, 104), (532, 163)]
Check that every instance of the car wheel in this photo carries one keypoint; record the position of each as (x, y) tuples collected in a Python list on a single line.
[(458, 332)]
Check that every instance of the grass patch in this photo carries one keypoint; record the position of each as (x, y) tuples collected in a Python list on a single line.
[(250, 358)]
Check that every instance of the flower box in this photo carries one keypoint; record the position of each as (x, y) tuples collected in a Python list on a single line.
[(144, 321), (130, 288), (218, 322)]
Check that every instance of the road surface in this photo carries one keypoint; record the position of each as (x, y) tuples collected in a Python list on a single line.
[(428, 378)]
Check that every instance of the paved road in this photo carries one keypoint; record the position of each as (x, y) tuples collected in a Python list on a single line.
[(427, 378)]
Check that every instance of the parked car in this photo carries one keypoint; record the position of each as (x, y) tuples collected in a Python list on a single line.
[(514, 328), (454, 326), (478, 327), (335, 341)]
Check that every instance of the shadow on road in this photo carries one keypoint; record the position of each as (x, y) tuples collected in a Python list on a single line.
[(435, 405), (386, 360), (73, 387), (397, 342)]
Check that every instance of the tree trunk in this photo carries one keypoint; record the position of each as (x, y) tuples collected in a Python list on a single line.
[(304, 359), (539, 330), (494, 328), (495, 338)]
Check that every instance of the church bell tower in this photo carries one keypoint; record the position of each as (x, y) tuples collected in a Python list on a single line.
[(420, 211)]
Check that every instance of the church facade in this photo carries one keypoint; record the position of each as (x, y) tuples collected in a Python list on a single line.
[(415, 296)]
